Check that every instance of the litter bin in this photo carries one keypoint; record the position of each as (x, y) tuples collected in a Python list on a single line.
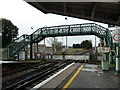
[(105, 65)]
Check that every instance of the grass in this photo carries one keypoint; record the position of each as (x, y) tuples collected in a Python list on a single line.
[(70, 51)]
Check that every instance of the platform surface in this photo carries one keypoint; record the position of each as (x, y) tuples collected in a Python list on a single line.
[(90, 76), (60, 78), (93, 77)]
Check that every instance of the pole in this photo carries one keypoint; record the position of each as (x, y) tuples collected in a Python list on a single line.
[(95, 50), (31, 46), (117, 60), (66, 36)]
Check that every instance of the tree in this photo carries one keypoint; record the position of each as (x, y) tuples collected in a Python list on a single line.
[(87, 44), (57, 46), (10, 31), (76, 45)]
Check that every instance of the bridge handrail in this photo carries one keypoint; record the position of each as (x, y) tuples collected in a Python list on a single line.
[(38, 33), (57, 27)]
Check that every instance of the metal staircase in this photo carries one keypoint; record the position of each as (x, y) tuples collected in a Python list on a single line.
[(54, 31)]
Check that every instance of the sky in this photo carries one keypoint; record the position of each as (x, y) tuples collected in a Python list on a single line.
[(25, 16)]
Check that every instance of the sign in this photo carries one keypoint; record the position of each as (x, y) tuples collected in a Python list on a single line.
[(116, 35), (105, 49), (111, 26)]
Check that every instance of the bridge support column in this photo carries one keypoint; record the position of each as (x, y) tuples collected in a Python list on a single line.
[(26, 53), (18, 56), (31, 51), (37, 48), (31, 47)]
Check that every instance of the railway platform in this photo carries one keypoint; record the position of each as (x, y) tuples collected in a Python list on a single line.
[(82, 76)]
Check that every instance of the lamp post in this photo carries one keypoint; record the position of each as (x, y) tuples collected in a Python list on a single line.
[(95, 50), (31, 46), (66, 36)]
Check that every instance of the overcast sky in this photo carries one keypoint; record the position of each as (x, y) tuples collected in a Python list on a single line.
[(24, 16)]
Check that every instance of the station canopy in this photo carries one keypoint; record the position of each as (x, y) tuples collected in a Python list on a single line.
[(105, 12)]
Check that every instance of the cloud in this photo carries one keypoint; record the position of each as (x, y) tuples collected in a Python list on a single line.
[(25, 16)]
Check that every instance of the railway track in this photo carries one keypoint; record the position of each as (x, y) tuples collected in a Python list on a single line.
[(27, 66), (22, 71), (29, 80)]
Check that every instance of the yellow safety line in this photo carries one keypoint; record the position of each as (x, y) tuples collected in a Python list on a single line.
[(73, 77)]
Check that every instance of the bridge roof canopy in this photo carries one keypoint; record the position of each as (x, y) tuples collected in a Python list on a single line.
[(105, 12)]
